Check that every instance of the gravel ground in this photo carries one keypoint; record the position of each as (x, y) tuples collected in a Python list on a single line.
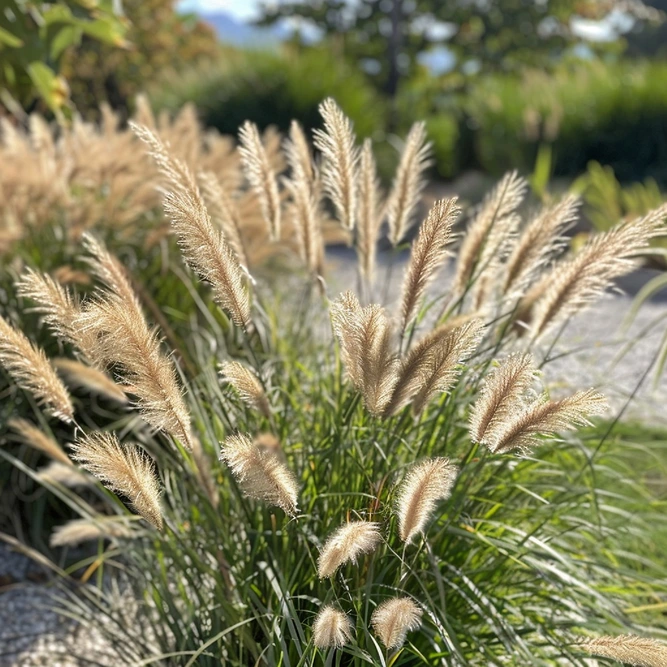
[(31, 634), (594, 350)]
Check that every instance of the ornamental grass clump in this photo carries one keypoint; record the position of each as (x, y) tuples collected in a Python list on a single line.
[(332, 479)]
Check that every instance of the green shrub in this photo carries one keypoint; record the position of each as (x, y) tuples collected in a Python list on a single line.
[(272, 88), (615, 114), (438, 102), (607, 200), (443, 131), (35, 36)]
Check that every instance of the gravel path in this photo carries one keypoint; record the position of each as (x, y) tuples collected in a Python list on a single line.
[(32, 635), (594, 350)]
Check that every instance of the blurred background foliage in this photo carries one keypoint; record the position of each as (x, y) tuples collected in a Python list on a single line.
[(498, 83), (158, 38), (34, 38)]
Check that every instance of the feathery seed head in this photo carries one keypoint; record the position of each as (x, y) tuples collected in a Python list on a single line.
[(433, 364), (306, 220), (248, 386), (628, 649), (204, 248), (346, 544), (440, 363), (337, 142), (79, 375), (58, 308), (124, 469), (110, 271), (30, 369), (76, 531), (365, 337), (298, 155), (260, 472), (424, 486), (331, 629), (65, 474), (490, 231), (126, 342), (37, 439), (224, 213), (368, 214), (502, 396), (261, 176), (394, 618), (522, 432), (408, 183), (538, 243), (579, 280), (427, 256)]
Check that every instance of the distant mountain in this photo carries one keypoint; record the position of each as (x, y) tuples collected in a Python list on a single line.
[(237, 33)]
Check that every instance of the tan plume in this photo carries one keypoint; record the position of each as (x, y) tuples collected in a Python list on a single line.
[(127, 343), (261, 473), (364, 335), (537, 244), (394, 618), (346, 544), (79, 375), (331, 629), (247, 385), (306, 222), (224, 213), (65, 474), (408, 183), (440, 364), (337, 143), (125, 469), (30, 369), (502, 395), (297, 152), (58, 308), (34, 437), (425, 484), (204, 248), (77, 531), (489, 230), (522, 431), (628, 649), (437, 353), (261, 176), (580, 280), (427, 256), (368, 213), (111, 272)]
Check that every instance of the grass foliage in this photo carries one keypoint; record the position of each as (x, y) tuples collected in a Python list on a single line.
[(294, 514)]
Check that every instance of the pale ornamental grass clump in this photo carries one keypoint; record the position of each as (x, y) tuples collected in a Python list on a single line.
[(397, 490)]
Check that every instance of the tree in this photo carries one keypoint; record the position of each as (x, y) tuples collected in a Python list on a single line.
[(386, 36), (159, 38)]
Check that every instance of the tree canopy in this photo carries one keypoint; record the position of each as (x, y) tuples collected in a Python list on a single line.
[(386, 36)]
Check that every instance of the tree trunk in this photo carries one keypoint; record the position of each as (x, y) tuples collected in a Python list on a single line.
[(394, 47)]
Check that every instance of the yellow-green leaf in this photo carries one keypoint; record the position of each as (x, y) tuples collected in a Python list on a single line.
[(7, 39), (67, 36), (51, 88)]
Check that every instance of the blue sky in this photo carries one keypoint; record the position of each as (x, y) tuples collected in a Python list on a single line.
[(243, 9)]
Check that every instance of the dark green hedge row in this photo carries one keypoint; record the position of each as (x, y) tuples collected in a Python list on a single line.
[(615, 114)]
